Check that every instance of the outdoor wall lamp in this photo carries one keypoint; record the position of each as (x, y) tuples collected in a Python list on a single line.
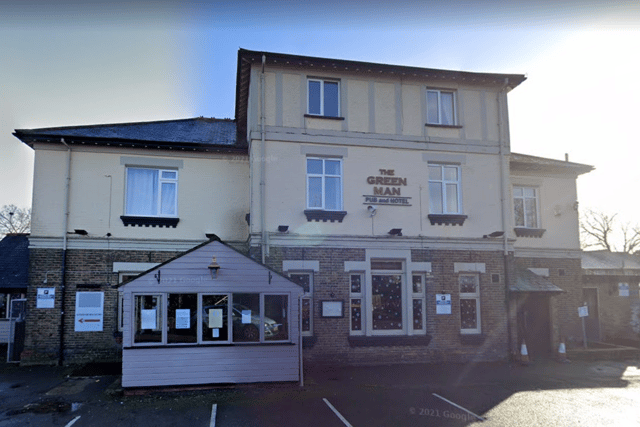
[(493, 235), (372, 210), (395, 232), (213, 268), (283, 228)]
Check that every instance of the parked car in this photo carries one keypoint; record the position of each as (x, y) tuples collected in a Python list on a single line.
[(245, 331)]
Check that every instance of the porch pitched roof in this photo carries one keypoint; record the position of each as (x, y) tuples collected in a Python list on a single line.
[(528, 281)]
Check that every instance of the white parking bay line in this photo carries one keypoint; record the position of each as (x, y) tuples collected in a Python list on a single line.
[(73, 421), (459, 407), (214, 409), (338, 414)]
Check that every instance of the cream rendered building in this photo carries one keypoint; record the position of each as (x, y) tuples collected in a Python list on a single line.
[(392, 194), (389, 193)]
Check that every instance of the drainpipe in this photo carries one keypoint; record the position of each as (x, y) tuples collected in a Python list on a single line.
[(504, 199), (263, 222), (300, 340), (64, 253)]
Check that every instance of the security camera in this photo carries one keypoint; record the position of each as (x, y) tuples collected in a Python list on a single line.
[(372, 210)]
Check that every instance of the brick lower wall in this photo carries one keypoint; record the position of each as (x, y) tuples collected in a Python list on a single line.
[(332, 344), (86, 270), (565, 273), (619, 315)]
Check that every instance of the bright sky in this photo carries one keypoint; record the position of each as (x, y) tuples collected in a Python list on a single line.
[(109, 62)]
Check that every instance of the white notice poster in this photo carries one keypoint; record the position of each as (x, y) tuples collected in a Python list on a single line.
[(215, 333), (215, 318), (149, 319), (183, 318), (246, 316), (443, 303), (46, 297)]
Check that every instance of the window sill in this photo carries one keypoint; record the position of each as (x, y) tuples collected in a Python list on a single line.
[(314, 116), (472, 339), (324, 216), (226, 344), (529, 232), (447, 219), (437, 125), (390, 341), (149, 221)]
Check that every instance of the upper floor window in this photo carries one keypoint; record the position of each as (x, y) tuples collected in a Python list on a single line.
[(152, 192), (441, 107), (444, 189), (525, 206), (324, 184), (323, 97)]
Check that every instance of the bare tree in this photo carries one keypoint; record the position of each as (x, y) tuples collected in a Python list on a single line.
[(601, 230), (14, 220)]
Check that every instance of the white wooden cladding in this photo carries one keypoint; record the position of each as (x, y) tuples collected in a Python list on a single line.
[(210, 363), (143, 367), (190, 273)]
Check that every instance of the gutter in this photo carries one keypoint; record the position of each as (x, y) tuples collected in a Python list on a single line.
[(64, 253)]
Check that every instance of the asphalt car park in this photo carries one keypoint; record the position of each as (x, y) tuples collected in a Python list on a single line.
[(543, 394)]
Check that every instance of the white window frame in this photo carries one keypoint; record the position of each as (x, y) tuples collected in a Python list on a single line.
[(200, 320), (322, 82), (472, 296), (158, 183), (443, 187), (323, 176), (536, 198), (418, 296), (363, 305), (405, 310), (308, 296), (121, 278), (439, 93), (162, 319)]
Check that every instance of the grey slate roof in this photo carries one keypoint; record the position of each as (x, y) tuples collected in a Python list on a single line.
[(526, 162), (14, 261), (197, 131), (605, 260), (527, 281)]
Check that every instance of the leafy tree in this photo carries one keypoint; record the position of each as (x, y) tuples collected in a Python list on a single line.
[(14, 220), (602, 230)]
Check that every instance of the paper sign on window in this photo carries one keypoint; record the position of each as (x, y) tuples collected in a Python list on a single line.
[(246, 316), (182, 318), (215, 318), (215, 333), (149, 319)]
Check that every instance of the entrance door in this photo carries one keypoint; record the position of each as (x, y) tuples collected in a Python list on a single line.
[(592, 321), (534, 324), (16, 338)]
